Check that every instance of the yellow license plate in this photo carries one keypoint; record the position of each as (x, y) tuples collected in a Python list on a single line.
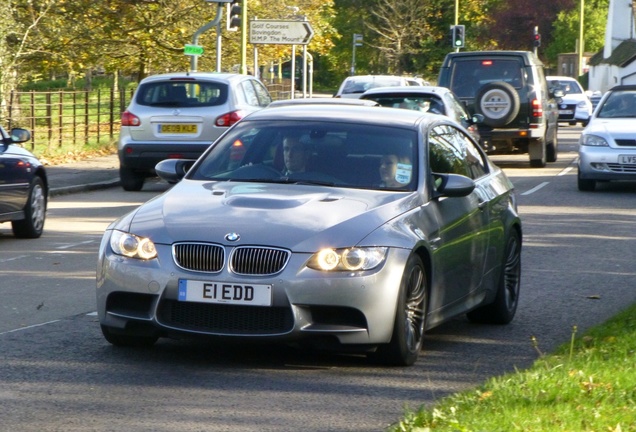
[(177, 128)]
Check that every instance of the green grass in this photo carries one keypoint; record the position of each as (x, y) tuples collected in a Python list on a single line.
[(588, 384)]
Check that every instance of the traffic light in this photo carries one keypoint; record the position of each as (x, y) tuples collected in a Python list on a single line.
[(234, 15), (537, 40), (459, 36)]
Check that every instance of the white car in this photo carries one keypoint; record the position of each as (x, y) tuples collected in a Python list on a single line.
[(575, 106), (607, 146), (352, 87)]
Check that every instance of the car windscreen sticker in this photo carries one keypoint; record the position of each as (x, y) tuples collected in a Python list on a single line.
[(403, 173)]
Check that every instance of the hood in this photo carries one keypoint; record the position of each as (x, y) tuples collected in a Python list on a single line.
[(297, 217), (614, 127)]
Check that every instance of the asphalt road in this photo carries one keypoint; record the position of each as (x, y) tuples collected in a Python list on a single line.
[(57, 373)]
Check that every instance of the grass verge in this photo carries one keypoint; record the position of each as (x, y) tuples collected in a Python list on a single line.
[(588, 384)]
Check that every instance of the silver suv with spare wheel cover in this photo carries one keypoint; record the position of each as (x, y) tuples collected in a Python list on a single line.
[(510, 90)]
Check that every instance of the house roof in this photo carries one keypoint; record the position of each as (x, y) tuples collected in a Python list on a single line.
[(621, 56)]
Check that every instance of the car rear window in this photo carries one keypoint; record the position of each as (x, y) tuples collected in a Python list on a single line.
[(362, 85), (182, 94), (468, 76)]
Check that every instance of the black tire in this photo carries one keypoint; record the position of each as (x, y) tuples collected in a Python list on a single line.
[(34, 212), (541, 162), (120, 338), (585, 185), (552, 150), (131, 180), (502, 310), (410, 317), (498, 102)]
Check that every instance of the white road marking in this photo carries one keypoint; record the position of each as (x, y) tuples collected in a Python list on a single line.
[(536, 188), (28, 327)]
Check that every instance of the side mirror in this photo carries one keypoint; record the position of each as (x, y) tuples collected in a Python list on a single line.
[(558, 93), (19, 135), (173, 170), (477, 118), (453, 185)]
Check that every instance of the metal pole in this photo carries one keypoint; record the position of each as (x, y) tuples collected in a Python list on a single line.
[(353, 58), (218, 46), (208, 26), (293, 73), (581, 41), (456, 12), (244, 37)]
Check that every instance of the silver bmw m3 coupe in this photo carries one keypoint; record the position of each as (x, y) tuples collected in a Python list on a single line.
[(352, 227)]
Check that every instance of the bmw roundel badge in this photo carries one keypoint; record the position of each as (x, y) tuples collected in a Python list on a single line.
[(232, 236)]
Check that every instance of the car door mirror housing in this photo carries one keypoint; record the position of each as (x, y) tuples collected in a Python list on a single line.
[(453, 185), (173, 170)]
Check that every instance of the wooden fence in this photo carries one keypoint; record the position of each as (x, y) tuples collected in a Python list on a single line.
[(73, 120)]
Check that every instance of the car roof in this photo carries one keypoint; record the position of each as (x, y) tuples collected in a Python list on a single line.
[(528, 56), (212, 76), (560, 78), (322, 101), (623, 87), (345, 114), (407, 90)]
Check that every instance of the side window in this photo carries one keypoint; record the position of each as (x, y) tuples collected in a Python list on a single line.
[(264, 98), (250, 94), (450, 151)]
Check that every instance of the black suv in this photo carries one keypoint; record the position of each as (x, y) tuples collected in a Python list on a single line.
[(510, 90)]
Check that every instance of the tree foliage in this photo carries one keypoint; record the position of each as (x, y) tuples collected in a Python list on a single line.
[(48, 38), (566, 29)]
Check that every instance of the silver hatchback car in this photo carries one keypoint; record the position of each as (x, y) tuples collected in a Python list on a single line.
[(348, 227), (178, 115)]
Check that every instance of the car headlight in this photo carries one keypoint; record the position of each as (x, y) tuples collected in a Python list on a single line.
[(132, 246), (582, 104), (350, 259), (593, 140)]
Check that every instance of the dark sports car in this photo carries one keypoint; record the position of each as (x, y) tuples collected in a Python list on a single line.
[(23, 185)]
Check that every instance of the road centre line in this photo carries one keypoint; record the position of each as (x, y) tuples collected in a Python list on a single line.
[(536, 188)]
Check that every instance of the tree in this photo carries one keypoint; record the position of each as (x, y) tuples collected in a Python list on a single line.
[(566, 29)]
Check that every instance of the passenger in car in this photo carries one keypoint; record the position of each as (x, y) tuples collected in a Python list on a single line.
[(396, 171)]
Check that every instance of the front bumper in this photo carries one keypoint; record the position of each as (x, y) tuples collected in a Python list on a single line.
[(354, 308), (603, 163)]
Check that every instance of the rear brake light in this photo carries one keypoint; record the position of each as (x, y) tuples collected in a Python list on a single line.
[(129, 119), (486, 63), (229, 119), (537, 109)]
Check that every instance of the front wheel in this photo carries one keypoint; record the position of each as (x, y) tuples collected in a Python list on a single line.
[(34, 212), (585, 185), (410, 317), (503, 309)]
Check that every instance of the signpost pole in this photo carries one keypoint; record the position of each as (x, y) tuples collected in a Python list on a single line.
[(197, 34)]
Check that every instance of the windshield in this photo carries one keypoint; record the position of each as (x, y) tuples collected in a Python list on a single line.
[(333, 154), (619, 104), (567, 86)]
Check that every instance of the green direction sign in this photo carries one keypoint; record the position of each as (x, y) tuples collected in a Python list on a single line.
[(194, 50)]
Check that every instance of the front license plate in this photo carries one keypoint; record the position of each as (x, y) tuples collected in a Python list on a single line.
[(563, 112), (177, 128), (225, 292), (627, 159)]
